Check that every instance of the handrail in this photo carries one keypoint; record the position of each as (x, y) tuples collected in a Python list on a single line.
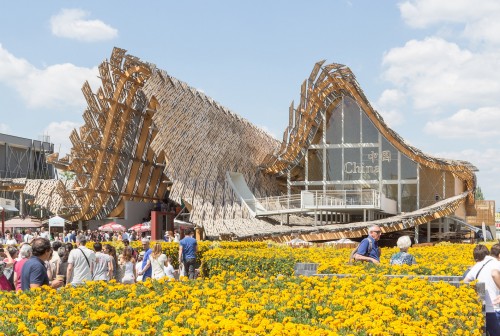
[(309, 200)]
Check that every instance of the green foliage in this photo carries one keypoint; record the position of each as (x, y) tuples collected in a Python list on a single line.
[(479, 194)]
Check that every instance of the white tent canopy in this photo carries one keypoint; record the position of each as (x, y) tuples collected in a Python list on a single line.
[(56, 221)]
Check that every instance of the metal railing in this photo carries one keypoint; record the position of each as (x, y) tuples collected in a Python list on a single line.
[(317, 199)]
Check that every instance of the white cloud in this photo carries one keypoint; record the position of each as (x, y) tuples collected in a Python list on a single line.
[(484, 30), (4, 128), (71, 23), (59, 135), (423, 13), (437, 73), (479, 124), (477, 21), (57, 85)]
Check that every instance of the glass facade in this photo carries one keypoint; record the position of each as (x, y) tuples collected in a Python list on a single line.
[(357, 156)]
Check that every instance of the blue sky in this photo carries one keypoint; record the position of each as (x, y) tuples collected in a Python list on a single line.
[(431, 68)]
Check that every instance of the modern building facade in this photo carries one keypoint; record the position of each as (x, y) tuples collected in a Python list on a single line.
[(338, 169), (21, 159)]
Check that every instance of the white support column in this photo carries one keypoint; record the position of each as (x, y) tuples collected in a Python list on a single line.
[(21, 203), (416, 234), (429, 232), (307, 169)]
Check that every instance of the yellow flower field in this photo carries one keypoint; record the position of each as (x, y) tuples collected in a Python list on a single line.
[(249, 288), (236, 305), (441, 259)]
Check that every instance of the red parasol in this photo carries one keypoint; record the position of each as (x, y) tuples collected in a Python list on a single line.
[(141, 227), (113, 226)]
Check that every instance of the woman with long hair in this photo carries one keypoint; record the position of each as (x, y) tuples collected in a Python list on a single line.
[(127, 261), (157, 261), (62, 265), (111, 251)]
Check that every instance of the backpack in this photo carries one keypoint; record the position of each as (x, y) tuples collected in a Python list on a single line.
[(355, 250)]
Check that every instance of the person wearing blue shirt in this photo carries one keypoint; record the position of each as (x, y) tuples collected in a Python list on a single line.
[(187, 252), (368, 249), (147, 253), (34, 272)]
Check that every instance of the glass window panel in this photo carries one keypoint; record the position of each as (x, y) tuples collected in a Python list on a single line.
[(408, 197), (371, 186), (408, 168), (334, 164), (334, 126), (370, 132), (315, 165), (371, 167), (334, 187), (390, 191), (352, 123), (352, 164), (389, 161)]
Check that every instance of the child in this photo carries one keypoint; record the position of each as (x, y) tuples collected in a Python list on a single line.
[(138, 266), (169, 269)]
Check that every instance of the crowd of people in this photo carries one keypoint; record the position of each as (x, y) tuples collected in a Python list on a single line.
[(69, 236), (35, 261)]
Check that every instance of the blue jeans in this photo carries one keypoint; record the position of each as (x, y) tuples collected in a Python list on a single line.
[(492, 324), (189, 265)]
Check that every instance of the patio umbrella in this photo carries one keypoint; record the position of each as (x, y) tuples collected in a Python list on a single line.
[(113, 226), (141, 227)]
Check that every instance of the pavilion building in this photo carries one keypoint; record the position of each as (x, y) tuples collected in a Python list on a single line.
[(149, 137)]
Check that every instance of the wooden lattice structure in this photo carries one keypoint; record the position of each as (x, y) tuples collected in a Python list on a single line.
[(111, 154), (145, 130)]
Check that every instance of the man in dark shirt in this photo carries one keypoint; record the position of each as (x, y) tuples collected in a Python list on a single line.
[(34, 271), (187, 252)]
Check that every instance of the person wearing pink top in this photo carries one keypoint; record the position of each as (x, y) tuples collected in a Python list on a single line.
[(24, 255)]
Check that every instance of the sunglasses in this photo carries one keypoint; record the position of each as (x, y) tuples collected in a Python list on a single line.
[(376, 231)]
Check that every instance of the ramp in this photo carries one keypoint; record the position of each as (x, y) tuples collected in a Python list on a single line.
[(240, 187)]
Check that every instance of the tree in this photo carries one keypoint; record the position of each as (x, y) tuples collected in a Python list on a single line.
[(479, 194)]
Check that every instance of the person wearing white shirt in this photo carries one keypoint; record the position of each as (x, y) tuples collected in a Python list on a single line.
[(28, 237), (9, 240), (138, 266), (169, 269), (81, 262), (483, 272), (44, 234)]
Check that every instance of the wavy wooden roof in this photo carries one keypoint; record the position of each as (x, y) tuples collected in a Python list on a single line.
[(144, 127), (321, 92)]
